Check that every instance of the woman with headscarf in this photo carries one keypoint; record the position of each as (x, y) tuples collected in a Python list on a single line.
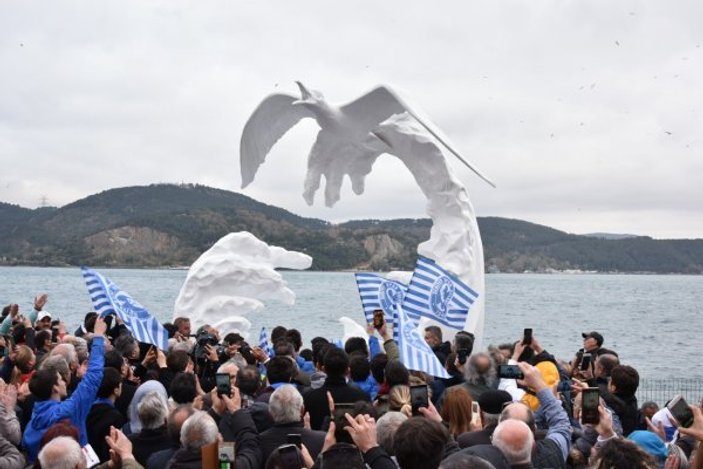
[(135, 425)]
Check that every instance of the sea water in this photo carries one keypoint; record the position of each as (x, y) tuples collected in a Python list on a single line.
[(653, 321)]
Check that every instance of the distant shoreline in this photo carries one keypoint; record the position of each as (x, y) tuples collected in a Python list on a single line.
[(186, 268)]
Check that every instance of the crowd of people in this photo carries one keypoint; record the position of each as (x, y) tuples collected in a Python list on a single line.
[(96, 397)]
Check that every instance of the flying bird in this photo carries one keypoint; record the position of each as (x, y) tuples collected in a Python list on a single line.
[(348, 132)]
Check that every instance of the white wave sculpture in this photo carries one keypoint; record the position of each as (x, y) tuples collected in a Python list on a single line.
[(350, 140), (225, 283)]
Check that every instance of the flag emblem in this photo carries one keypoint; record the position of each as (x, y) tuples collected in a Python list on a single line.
[(438, 294), (377, 292)]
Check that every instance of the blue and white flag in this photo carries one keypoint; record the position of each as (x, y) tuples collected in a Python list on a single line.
[(437, 294), (415, 354), (107, 299), (264, 342), (377, 292), (396, 325)]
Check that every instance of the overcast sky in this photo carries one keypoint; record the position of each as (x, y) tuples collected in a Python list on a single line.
[(587, 114)]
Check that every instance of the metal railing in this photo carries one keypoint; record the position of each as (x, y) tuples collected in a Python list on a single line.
[(662, 390)]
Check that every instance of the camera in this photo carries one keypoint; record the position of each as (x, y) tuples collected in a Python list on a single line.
[(202, 340), (245, 350)]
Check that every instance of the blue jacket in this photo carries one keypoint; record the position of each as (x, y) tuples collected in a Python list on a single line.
[(75, 408), (304, 365), (370, 386)]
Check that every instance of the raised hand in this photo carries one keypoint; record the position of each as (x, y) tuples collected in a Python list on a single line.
[(40, 301), (100, 326), (362, 429), (430, 412)]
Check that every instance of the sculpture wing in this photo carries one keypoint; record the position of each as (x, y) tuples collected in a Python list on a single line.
[(382, 102), (373, 108), (269, 122), (352, 329)]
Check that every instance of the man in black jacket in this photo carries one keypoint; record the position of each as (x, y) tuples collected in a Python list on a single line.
[(103, 413), (433, 337), (286, 409), (336, 366)]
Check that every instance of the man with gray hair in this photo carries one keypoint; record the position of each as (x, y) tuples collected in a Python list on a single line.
[(552, 450), (62, 452), (287, 410), (386, 427), (153, 436), (176, 418), (515, 440), (197, 431)]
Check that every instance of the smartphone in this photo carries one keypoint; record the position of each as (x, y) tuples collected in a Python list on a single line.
[(418, 398), (54, 334), (295, 439), (527, 336), (590, 398), (585, 361), (340, 421), (290, 457), (462, 354), (475, 413), (224, 386), (378, 318), (510, 372), (681, 411)]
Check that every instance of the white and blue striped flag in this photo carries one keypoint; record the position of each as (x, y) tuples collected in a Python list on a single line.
[(415, 354), (377, 292), (264, 342), (437, 294), (107, 299)]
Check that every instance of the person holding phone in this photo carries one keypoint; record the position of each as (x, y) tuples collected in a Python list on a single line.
[(554, 448), (287, 411)]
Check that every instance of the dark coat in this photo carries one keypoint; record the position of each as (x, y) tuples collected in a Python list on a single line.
[(122, 403), (160, 459), (478, 437), (316, 399), (149, 441), (98, 422), (277, 436), (239, 427), (184, 459), (442, 351)]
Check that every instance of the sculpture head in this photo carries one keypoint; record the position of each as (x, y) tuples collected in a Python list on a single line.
[(308, 97)]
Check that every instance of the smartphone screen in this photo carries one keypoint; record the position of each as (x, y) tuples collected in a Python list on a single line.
[(340, 421), (681, 411), (378, 318), (295, 439), (589, 406), (462, 354), (510, 372), (475, 413), (290, 457), (585, 361), (418, 398), (527, 336), (223, 384)]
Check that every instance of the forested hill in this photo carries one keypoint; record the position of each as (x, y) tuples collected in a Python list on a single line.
[(166, 225)]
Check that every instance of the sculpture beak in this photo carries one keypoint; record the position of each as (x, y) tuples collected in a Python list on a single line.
[(305, 94)]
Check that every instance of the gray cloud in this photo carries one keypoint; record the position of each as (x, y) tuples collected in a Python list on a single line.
[(587, 114)]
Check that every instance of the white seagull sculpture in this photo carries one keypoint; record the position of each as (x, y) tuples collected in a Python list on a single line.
[(350, 132)]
